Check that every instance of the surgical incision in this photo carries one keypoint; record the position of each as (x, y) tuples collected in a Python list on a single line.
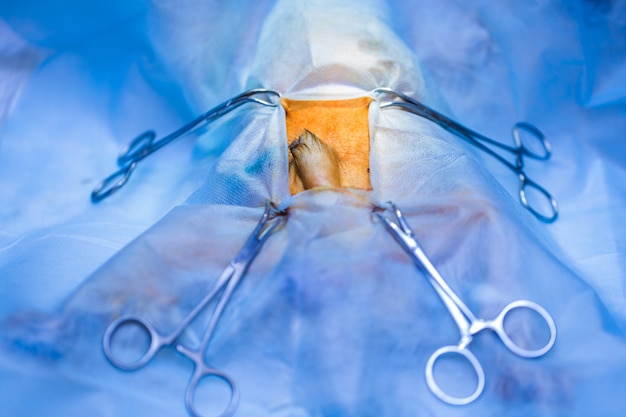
[(312, 164)]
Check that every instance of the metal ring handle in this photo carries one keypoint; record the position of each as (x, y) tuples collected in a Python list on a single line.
[(137, 148), (536, 134), (202, 372), (498, 327), (441, 394), (526, 183), (112, 183), (156, 341)]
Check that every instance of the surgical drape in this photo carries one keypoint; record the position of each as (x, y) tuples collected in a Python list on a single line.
[(332, 318)]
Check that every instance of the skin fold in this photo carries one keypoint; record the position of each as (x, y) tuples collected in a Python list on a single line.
[(313, 163)]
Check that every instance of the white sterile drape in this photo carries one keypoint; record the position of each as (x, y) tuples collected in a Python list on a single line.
[(332, 318)]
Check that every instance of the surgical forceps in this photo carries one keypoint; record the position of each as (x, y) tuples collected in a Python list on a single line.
[(466, 321), (228, 280), (519, 150), (145, 144)]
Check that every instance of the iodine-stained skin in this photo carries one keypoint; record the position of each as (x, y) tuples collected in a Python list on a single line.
[(341, 124), (314, 162)]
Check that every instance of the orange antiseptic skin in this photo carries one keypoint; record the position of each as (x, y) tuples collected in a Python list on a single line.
[(341, 124)]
